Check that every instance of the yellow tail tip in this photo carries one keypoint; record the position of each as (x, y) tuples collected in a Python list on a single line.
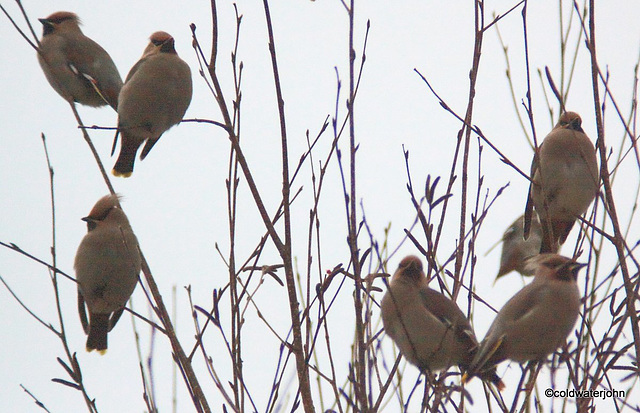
[(499, 384), (465, 378), (121, 174), (101, 352)]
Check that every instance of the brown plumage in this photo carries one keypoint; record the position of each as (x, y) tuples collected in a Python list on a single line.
[(535, 321), (565, 180), (428, 328), (155, 97), (78, 68), (516, 250), (107, 266)]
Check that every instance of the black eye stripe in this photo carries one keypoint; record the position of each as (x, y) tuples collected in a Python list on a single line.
[(47, 28)]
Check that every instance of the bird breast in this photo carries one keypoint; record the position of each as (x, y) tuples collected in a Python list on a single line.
[(423, 339), (107, 268)]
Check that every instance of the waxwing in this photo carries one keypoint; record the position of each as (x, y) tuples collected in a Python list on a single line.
[(78, 68), (535, 321), (107, 266), (516, 250), (155, 96), (429, 328), (565, 180)]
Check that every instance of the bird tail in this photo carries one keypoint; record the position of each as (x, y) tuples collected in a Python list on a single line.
[(506, 267), (126, 159), (490, 375), (98, 329), (493, 377), (550, 241)]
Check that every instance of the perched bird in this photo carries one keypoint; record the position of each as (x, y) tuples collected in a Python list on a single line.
[(428, 328), (78, 68), (516, 250), (564, 181), (107, 266), (155, 96), (535, 321)]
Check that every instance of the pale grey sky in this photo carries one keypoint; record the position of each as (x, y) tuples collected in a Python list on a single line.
[(176, 199)]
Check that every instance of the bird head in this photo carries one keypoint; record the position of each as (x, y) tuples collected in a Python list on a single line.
[(101, 210), (556, 267), (61, 20), (161, 42), (410, 267), (570, 120)]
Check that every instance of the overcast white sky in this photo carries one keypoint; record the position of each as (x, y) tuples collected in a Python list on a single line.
[(176, 199)]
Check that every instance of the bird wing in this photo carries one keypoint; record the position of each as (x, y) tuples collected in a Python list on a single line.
[(449, 314), (82, 65), (135, 68), (528, 210), (516, 311), (115, 316), (148, 145), (83, 313), (115, 142)]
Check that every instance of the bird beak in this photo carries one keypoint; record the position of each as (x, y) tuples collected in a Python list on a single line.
[(91, 223), (573, 267), (47, 26), (576, 266)]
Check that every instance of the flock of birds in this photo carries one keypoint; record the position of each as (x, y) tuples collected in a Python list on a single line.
[(428, 327), (434, 334), (153, 98)]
